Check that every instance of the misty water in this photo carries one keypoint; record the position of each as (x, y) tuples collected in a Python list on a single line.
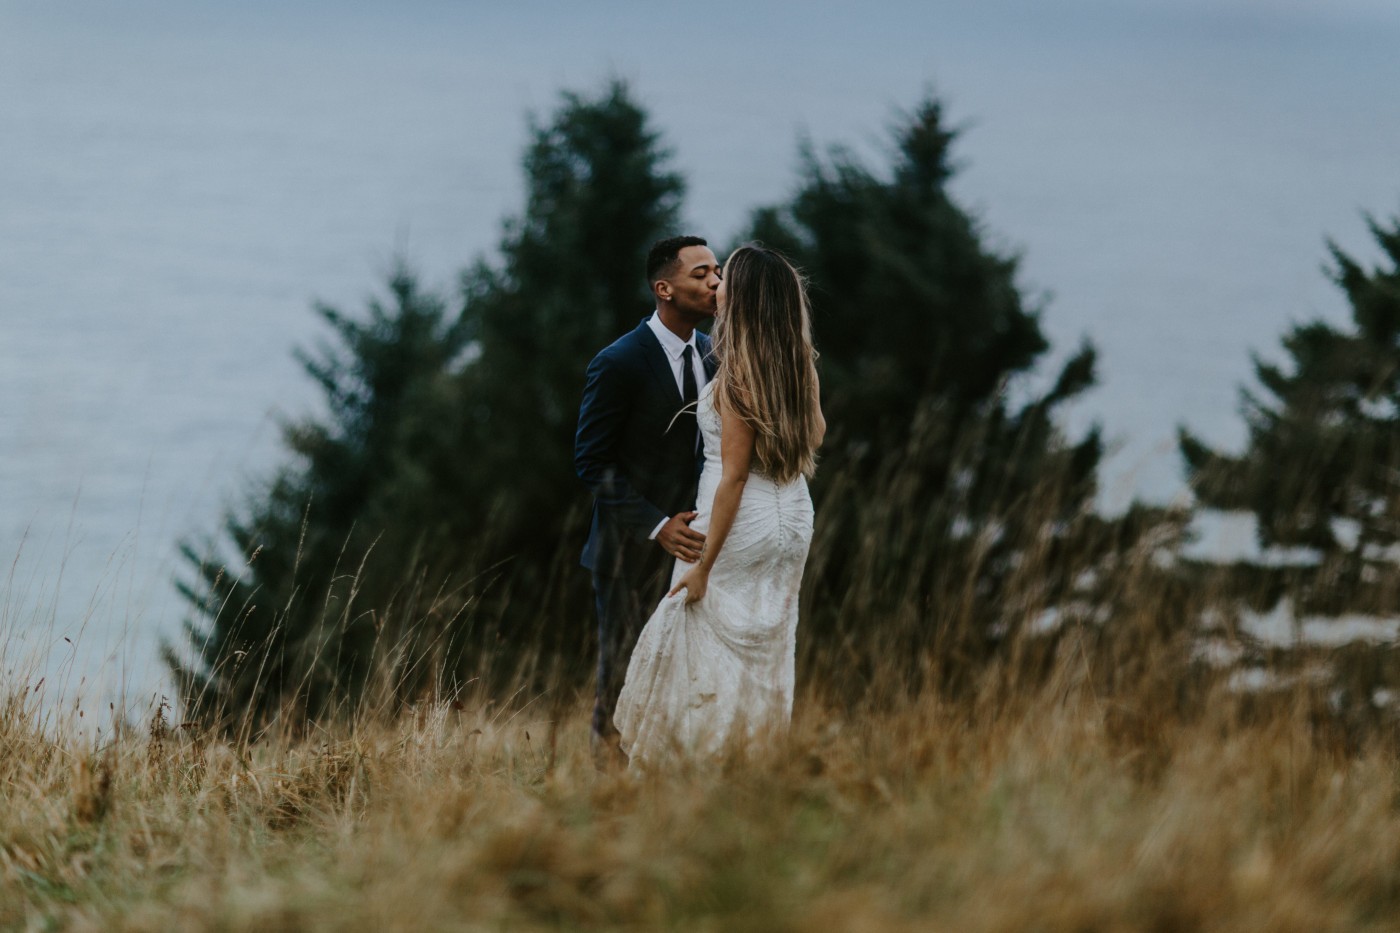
[(179, 182)]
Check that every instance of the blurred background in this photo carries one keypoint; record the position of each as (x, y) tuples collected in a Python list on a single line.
[(180, 182)]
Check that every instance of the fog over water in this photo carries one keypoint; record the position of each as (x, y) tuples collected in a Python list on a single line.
[(178, 182)]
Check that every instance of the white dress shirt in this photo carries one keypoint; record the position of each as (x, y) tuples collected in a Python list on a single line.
[(674, 348)]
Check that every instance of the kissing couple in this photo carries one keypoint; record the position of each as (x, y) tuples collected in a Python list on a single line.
[(697, 451)]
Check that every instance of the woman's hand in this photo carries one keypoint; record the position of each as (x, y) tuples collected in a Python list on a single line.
[(695, 582)]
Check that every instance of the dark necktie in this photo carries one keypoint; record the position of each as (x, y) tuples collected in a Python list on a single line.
[(688, 394)]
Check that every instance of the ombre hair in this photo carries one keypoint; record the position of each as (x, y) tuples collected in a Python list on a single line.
[(767, 366)]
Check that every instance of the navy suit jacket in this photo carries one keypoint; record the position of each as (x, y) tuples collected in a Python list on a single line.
[(640, 466)]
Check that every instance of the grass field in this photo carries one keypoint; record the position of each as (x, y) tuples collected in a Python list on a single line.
[(1056, 808)]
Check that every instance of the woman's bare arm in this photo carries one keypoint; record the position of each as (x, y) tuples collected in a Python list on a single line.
[(736, 456)]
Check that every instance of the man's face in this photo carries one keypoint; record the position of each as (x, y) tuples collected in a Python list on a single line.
[(691, 287)]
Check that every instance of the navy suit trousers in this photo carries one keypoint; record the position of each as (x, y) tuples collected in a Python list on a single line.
[(623, 608)]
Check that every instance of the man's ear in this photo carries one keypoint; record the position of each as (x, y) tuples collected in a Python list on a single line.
[(661, 289)]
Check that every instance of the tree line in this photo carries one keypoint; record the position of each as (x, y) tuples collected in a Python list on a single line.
[(423, 536)]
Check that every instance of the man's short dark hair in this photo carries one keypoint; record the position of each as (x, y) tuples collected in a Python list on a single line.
[(664, 254)]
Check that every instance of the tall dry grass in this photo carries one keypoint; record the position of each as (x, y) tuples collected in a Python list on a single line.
[(1091, 773), (1058, 806)]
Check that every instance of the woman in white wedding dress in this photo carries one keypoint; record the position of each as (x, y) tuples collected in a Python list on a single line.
[(714, 663)]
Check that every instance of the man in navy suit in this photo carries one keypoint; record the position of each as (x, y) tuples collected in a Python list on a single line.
[(637, 449)]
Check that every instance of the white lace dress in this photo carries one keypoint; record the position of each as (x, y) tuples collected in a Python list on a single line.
[(725, 663)]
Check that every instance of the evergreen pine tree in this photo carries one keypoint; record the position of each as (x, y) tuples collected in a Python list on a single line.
[(432, 524), (296, 620), (948, 517), (1321, 469)]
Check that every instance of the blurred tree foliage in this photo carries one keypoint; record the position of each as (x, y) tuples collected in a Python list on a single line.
[(432, 522), (1321, 475), (946, 512), (430, 525), (1321, 470)]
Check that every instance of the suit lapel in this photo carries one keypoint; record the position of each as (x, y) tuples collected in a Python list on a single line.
[(660, 365)]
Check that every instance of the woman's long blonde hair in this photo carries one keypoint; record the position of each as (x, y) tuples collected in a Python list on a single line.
[(767, 366)]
